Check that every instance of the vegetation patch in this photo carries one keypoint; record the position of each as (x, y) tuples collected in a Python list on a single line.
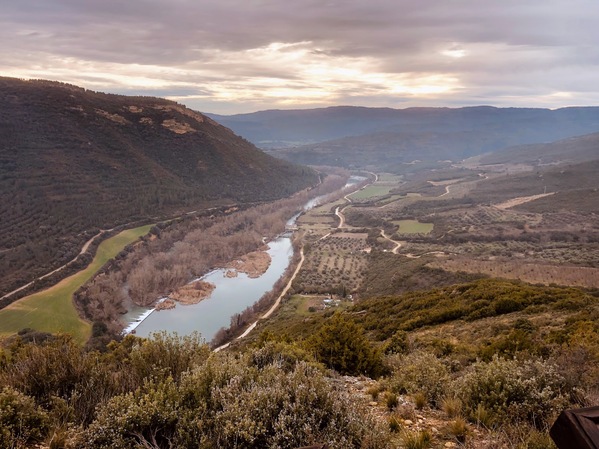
[(52, 310), (534, 273), (253, 264), (469, 302), (413, 227), (334, 265), (192, 293), (371, 191), (172, 392)]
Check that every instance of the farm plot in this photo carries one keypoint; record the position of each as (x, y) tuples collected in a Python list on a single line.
[(334, 265), (413, 227), (371, 191), (529, 272)]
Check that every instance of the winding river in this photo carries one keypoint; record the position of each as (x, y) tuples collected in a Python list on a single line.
[(231, 295)]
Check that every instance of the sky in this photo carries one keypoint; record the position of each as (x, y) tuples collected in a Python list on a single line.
[(236, 56)]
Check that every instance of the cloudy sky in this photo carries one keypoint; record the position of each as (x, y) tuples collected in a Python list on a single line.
[(230, 56)]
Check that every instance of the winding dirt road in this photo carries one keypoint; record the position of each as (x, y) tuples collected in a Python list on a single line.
[(395, 242), (83, 250)]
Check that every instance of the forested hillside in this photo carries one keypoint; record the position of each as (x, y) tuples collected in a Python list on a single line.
[(73, 161)]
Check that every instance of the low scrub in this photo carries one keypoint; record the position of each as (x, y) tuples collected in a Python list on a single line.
[(512, 391)]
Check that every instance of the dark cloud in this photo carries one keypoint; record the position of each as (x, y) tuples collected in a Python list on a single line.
[(536, 52)]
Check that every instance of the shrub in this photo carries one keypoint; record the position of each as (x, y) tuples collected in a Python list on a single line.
[(451, 406), (392, 401), (342, 345), (420, 372), (374, 391), (458, 429), (394, 424), (22, 423), (531, 391), (398, 344), (231, 402), (420, 400), (417, 440)]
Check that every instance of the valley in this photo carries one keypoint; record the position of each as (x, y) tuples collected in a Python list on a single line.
[(420, 285)]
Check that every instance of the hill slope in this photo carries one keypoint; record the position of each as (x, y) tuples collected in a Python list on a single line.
[(73, 160), (571, 150)]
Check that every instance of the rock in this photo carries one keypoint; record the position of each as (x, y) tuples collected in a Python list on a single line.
[(450, 444), (408, 422), (373, 403)]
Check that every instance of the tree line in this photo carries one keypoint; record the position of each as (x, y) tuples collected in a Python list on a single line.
[(177, 252)]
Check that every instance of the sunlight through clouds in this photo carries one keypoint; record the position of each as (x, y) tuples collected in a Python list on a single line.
[(233, 57)]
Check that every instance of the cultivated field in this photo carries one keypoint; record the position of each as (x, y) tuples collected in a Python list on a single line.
[(335, 264), (372, 191), (413, 227), (534, 273), (52, 310)]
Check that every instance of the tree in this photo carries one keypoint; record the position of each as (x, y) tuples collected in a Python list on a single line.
[(341, 344)]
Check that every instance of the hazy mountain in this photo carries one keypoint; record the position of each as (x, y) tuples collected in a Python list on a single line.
[(570, 150), (387, 138), (73, 160)]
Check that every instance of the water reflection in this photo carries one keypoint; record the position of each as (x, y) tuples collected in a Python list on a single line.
[(231, 295)]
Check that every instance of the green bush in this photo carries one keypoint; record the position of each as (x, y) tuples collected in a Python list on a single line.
[(229, 401), (531, 391), (420, 372), (398, 344), (342, 345), (22, 423)]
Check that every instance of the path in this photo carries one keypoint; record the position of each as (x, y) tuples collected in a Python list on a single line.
[(341, 217), (397, 244), (274, 306), (414, 256), (338, 213), (521, 200), (83, 250), (446, 192)]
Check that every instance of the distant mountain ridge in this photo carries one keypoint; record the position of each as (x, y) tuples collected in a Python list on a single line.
[(571, 150), (376, 137), (74, 160)]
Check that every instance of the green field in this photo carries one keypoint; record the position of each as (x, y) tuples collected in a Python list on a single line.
[(52, 310), (371, 191), (413, 227), (390, 178)]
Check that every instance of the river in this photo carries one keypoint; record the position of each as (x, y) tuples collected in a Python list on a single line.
[(231, 295)]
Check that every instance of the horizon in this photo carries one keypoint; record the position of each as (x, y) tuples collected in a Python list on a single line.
[(239, 57), (307, 108)]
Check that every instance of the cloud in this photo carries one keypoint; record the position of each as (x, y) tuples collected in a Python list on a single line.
[(240, 55)]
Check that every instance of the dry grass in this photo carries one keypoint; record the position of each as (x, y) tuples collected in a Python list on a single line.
[(534, 273)]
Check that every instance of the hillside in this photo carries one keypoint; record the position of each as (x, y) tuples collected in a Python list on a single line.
[(376, 137), (571, 150), (73, 161), (572, 187)]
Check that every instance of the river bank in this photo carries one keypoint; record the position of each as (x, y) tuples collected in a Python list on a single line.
[(233, 293), (52, 310)]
